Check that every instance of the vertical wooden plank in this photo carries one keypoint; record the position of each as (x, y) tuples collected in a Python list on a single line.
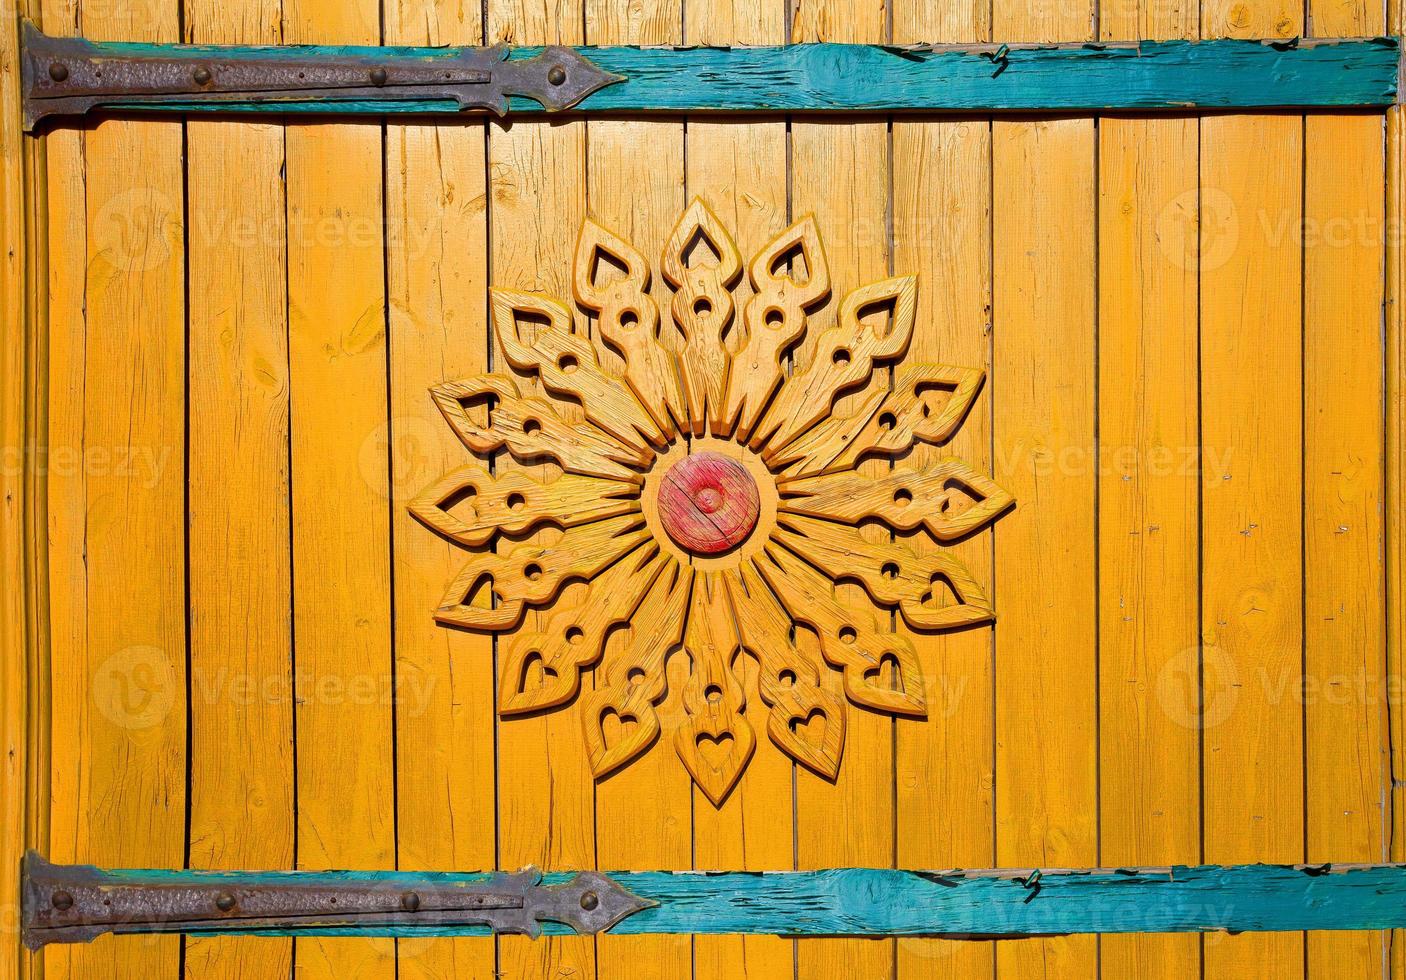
[(1252, 494), (1148, 493), (635, 189), (120, 662), (65, 179), (1395, 502), (840, 174), (18, 467), (945, 763), (737, 168), (1345, 693), (537, 184), (341, 533), (1043, 246), (437, 256), (1347, 757), (241, 655)]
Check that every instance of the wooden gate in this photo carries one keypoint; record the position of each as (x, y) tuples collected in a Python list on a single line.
[(219, 339)]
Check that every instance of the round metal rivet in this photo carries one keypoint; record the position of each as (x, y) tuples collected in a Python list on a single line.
[(58, 71), (202, 75), (589, 901), (410, 901), (557, 75), (378, 76), (62, 901), (224, 901)]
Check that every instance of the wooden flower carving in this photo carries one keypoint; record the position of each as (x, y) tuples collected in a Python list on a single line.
[(684, 481)]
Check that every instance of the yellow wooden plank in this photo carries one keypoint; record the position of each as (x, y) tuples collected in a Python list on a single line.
[(341, 533), (437, 256), (67, 220), (635, 189), (1252, 495), (241, 657), (20, 373), (1395, 503), (944, 764), (119, 666), (1149, 517), (1043, 237), (1347, 755), (537, 182), (1149, 521), (840, 174), (734, 167)]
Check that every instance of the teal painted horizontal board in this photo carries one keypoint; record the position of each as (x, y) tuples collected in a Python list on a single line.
[(1142, 76), (881, 902)]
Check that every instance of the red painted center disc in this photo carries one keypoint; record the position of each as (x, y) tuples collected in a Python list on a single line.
[(708, 503)]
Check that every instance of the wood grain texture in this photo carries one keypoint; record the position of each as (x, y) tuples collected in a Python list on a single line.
[(944, 764), (1010, 903), (1252, 494), (733, 168), (1346, 741), (1148, 494), (1148, 514), (437, 263), (819, 78), (635, 179), (22, 538), (1044, 453), (118, 676), (1395, 451), (341, 511), (839, 173), (239, 567), (537, 201)]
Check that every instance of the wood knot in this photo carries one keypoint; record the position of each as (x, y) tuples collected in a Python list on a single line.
[(708, 503)]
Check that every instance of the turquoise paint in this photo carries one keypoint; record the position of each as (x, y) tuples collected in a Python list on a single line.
[(881, 902), (1143, 76)]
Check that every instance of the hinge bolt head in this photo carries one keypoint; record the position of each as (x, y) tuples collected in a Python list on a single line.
[(224, 901), (202, 75), (557, 75), (58, 71), (61, 900), (589, 901), (378, 76), (410, 902)]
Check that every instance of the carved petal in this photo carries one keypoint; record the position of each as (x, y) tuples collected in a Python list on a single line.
[(627, 319), (790, 677), (933, 590), (887, 423), (535, 335), (716, 741), (470, 504), (542, 666), (775, 317), (530, 574), (635, 679), (950, 499), (844, 359), (702, 263), (489, 414), (852, 639)]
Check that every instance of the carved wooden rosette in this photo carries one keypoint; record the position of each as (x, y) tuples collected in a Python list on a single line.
[(708, 501)]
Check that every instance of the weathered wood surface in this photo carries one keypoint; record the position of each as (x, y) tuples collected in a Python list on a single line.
[(1181, 201), (961, 903), (834, 77)]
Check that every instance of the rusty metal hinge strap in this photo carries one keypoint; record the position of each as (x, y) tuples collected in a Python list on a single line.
[(71, 76), (77, 903)]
